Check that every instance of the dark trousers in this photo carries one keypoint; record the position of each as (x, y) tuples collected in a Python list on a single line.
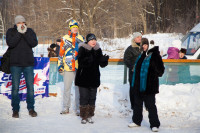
[(87, 95), (16, 73), (131, 89), (149, 101), (131, 97)]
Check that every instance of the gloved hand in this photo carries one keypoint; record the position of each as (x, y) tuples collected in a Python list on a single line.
[(104, 58), (22, 28), (61, 70)]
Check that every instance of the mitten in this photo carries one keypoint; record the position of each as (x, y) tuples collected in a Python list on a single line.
[(20, 30), (104, 58)]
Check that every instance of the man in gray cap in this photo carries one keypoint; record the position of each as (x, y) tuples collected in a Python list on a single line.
[(21, 40), (130, 56)]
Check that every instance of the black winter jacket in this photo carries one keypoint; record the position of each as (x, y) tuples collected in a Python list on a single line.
[(130, 56), (156, 69), (21, 46), (89, 60)]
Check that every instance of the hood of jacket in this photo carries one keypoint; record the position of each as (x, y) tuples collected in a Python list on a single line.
[(173, 53)]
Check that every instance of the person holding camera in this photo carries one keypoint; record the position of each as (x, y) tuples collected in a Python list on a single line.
[(21, 40), (87, 78)]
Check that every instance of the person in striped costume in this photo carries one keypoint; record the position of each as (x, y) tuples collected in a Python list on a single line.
[(68, 64)]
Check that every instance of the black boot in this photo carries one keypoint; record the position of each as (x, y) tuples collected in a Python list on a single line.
[(84, 113), (15, 114)]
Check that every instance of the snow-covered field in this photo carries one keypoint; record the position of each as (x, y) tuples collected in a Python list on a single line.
[(178, 110)]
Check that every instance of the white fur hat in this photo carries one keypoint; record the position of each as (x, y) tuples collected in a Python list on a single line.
[(177, 44)]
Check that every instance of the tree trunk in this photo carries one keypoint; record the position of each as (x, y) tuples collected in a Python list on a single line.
[(91, 24), (197, 11), (144, 22), (73, 11), (115, 22)]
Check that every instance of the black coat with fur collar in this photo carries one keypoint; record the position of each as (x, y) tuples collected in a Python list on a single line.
[(89, 60)]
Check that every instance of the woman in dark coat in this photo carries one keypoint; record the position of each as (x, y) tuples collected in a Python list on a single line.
[(87, 78), (145, 84)]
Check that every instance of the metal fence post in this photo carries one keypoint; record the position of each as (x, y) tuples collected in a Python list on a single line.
[(125, 74)]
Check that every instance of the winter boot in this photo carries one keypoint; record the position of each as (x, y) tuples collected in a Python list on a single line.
[(32, 113), (84, 113), (91, 113), (15, 114)]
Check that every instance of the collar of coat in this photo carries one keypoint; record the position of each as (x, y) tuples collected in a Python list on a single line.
[(134, 44), (88, 47), (69, 38)]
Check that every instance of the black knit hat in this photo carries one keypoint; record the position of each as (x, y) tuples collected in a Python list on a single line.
[(90, 37)]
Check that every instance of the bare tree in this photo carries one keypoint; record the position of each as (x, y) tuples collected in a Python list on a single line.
[(90, 10), (197, 11), (105, 18), (2, 29)]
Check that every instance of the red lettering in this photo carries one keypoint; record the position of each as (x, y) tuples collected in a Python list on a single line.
[(22, 82), (8, 84)]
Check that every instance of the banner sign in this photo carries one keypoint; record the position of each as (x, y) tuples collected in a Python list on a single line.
[(41, 80)]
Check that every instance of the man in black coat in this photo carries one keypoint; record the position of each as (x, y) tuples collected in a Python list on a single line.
[(130, 56), (21, 40)]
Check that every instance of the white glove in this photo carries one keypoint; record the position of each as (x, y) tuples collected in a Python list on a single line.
[(22, 28)]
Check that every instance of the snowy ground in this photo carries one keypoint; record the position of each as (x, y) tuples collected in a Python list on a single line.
[(178, 110)]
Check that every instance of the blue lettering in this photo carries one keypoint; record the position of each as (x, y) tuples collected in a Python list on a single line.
[(10, 77), (5, 77)]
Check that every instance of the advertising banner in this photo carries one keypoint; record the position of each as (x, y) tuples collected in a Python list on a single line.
[(41, 80)]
